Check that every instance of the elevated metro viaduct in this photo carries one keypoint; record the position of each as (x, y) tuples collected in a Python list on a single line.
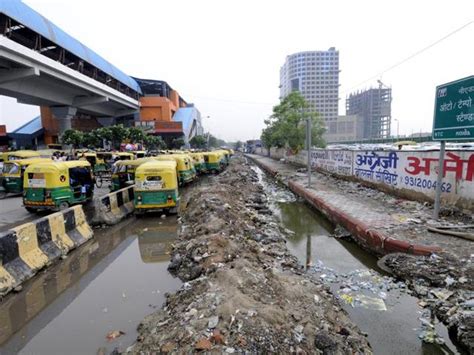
[(42, 65)]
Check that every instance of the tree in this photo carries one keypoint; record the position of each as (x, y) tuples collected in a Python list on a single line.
[(198, 142), (136, 135), (119, 134), (238, 145), (104, 134), (212, 141), (72, 137), (154, 142), (177, 143), (91, 140), (286, 127)]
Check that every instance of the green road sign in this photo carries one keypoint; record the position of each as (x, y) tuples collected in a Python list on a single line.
[(454, 111)]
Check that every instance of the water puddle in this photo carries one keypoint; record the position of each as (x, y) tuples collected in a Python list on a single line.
[(378, 304), (104, 288)]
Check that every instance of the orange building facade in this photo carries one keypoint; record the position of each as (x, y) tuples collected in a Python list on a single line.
[(157, 108)]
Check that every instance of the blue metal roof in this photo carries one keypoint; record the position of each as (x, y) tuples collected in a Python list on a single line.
[(30, 127), (36, 22)]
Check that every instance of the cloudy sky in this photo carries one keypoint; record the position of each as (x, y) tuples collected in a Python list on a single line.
[(225, 56)]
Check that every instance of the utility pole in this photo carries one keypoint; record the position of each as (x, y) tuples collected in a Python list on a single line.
[(439, 181), (308, 147)]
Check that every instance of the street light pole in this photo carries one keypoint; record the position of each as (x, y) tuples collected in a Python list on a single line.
[(308, 147)]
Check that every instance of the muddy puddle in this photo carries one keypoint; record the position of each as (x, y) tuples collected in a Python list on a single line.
[(378, 304), (104, 288)]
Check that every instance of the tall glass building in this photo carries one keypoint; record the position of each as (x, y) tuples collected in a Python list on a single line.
[(316, 75)]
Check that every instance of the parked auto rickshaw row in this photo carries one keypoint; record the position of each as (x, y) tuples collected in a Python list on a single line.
[(55, 185), (157, 179)]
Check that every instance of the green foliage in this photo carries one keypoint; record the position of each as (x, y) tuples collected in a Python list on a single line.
[(136, 135), (216, 142), (119, 134), (238, 145), (104, 134), (198, 142), (154, 142), (286, 127), (90, 140), (72, 137), (177, 143)]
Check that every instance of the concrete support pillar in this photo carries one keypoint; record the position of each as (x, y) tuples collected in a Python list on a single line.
[(64, 115)]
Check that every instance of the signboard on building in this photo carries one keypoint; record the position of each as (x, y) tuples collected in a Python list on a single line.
[(454, 110)]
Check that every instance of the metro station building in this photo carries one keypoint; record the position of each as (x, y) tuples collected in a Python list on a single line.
[(76, 88)]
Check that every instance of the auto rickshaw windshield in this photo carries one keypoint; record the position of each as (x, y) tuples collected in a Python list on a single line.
[(10, 168)]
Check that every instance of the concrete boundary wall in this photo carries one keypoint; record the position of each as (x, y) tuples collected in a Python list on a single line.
[(408, 174), (26, 249), (110, 209)]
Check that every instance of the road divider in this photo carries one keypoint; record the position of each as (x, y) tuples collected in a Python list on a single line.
[(26, 249), (113, 207)]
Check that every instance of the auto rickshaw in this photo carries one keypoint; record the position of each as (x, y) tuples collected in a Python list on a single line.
[(123, 156), (139, 154), (48, 153), (123, 173), (225, 156), (19, 154), (57, 185), (213, 160), (156, 187), (12, 175), (185, 166), (199, 162)]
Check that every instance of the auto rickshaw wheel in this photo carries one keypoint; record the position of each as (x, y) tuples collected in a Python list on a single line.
[(63, 205), (30, 210), (173, 210)]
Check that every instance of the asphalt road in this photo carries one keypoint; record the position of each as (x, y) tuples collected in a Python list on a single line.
[(12, 212)]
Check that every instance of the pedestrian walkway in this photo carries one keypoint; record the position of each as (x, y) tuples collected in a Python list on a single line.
[(379, 222)]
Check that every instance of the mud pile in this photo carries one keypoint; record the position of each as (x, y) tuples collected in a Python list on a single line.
[(244, 292), (445, 285)]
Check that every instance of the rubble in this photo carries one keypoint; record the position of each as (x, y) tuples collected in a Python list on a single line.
[(445, 285), (243, 291)]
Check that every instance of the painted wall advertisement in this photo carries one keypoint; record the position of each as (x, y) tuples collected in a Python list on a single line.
[(418, 171), (412, 170), (334, 161)]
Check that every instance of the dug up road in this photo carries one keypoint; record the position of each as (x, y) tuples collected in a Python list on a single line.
[(243, 291)]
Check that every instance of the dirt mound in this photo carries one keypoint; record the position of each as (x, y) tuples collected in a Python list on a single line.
[(244, 292)]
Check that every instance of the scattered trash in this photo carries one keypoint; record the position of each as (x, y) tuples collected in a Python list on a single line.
[(213, 322), (114, 334)]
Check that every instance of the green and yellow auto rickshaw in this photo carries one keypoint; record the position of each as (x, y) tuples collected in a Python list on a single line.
[(225, 156), (214, 162), (139, 154), (199, 162), (185, 166), (57, 185), (123, 156), (19, 154), (123, 173), (12, 175), (156, 187)]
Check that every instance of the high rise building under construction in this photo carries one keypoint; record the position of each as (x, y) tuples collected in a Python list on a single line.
[(373, 109)]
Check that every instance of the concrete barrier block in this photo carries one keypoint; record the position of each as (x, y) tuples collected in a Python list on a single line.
[(110, 209), (32, 246)]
